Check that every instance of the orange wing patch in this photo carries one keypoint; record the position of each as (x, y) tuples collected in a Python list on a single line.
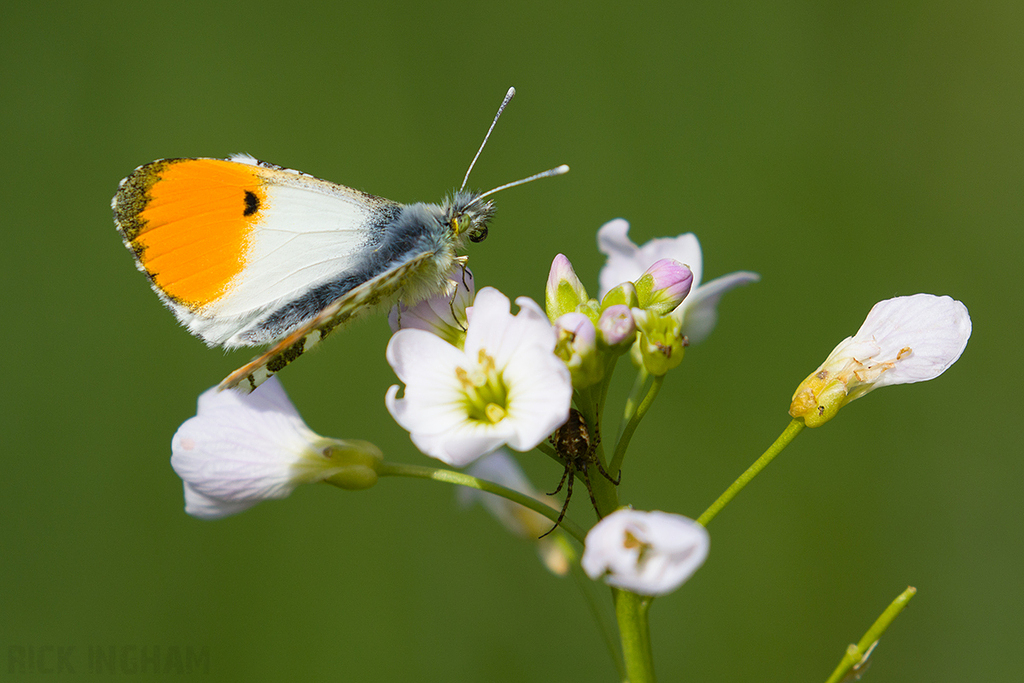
[(189, 222)]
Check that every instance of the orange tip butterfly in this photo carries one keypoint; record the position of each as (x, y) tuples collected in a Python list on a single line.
[(247, 253)]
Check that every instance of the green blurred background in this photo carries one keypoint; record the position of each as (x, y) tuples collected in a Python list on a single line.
[(847, 152)]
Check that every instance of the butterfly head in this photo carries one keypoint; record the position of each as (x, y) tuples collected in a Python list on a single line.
[(467, 215)]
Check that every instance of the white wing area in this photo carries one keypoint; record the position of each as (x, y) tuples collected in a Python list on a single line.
[(309, 231)]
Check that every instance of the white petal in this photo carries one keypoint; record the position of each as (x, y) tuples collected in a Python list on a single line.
[(461, 446), (419, 356), (240, 449), (491, 315), (205, 507), (934, 328), (699, 310), (429, 410), (270, 397), (540, 391), (500, 333), (651, 553)]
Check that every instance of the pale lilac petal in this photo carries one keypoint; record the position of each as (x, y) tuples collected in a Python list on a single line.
[(241, 449), (444, 314), (501, 468)]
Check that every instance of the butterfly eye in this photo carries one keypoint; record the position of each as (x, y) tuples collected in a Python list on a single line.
[(477, 233)]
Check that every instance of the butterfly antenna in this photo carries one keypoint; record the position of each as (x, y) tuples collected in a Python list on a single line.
[(508, 96), (559, 170)]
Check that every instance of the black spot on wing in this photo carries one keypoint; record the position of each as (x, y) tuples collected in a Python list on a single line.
[(252, 204)]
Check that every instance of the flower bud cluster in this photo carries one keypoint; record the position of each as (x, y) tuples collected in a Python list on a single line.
[(592, 332)]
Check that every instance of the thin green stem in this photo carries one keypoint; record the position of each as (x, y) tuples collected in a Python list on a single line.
[(631, 611), (784, 439), (633, 400), (633, 423), (853, 662), (463, 479)]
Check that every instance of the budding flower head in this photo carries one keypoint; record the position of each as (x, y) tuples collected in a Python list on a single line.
[(241, 449), (903, 340), (576, 345), (661, 342), (564, 292), (698, 312), (650, 553), (616, 327), (663, 286)]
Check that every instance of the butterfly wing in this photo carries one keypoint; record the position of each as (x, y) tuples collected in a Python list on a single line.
[(381, 290), (243, 251)]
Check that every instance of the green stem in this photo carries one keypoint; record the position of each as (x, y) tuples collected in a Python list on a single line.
[(631, 611), (633, 423), (634, 397), (856, 655), (462, 479), (787, 435)]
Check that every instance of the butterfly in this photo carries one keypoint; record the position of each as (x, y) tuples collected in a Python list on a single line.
[(247, 253)]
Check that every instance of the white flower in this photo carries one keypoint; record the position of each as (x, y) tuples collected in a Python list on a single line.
[(627, 262), (651, 553), (506, 386), (501, 468), (903, 340), (241, 449), (444, 314)]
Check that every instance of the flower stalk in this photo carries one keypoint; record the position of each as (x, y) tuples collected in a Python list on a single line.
[(631, 610), (462, 479), (787, 436), (855, 660)]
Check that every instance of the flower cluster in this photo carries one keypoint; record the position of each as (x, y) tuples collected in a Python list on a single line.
[(477, 377), (651, 301)]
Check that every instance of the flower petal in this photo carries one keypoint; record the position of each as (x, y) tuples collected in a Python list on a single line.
[(651, 553), (934, 328), (699, 311)]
